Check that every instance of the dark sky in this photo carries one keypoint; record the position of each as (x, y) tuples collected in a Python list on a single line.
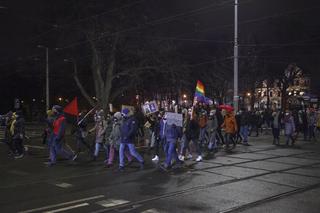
[(272, 24)]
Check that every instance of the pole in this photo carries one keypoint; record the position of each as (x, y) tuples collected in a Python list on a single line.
[(47, 79), (235, 58)]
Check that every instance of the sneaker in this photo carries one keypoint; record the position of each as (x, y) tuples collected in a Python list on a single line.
[(156, 158), (121, 169), (181, 157), (75, 157), (189, 156), (18, 156), (199, 158)]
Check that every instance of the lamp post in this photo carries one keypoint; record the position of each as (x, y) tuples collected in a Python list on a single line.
[(47, 76), (235, 58)]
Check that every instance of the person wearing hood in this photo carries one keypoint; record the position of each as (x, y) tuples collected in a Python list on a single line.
[(230, 127), (9, 118), (57, 136), (99, 128), (128, 132), (289, 128), (212, 127), (18, 133), (115, 140), (170, 134), (80, 135)]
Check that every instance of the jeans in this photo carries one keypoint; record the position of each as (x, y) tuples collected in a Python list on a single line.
[(212, 140), (81, 142), (97, 149), (185, 145), (244, 131), (132, 151), (288, 138), (276, 133), (112, 154), (56, 147), (18, 145), (202, 139), (171, 153)]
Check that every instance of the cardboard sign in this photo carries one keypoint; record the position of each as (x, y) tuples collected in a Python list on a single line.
[(130, 108), (174, 118), (150, 108)]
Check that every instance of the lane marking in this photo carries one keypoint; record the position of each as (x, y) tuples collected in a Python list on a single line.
[(35, 147), (111, 203), (62, 204), (64, 185), (151, 211), (68, 208)]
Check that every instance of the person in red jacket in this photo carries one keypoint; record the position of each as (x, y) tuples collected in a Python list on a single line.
[(57, 136)]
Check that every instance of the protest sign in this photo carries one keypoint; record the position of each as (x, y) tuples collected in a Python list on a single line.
[(174, 118)]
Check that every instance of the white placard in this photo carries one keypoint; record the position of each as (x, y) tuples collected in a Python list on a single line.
[(174, 118)]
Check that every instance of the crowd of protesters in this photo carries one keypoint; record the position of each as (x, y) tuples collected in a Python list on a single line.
[(205, 130)]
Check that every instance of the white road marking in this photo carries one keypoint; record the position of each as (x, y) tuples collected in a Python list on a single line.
[(64, 185), (35, 147), (111, 202), (67, 208), (151, 211), (62, 204)]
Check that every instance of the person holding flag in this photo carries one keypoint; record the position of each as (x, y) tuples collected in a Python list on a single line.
[(57, 136)]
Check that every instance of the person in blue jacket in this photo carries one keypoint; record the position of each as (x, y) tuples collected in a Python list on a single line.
[(169, 134), (128, 131)]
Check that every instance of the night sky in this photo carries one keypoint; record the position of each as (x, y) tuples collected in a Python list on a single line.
[(282, 31)]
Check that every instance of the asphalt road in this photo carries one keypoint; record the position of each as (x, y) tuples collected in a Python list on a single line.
[(258, 178)]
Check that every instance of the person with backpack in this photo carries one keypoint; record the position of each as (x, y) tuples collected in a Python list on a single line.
[(128, 131)]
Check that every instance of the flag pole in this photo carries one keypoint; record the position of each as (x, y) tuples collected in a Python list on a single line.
[(88, 113)]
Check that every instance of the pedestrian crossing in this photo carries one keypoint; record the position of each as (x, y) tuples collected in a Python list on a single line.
[(90, 202)]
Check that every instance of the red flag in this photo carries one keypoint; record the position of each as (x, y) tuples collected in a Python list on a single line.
[(72, 107)]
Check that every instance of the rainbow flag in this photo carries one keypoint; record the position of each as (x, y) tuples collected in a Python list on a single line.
[(199, 89)]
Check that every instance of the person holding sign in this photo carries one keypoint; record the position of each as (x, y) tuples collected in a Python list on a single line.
[(169, 133)]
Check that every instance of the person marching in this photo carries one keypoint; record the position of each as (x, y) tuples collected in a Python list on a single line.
[(128, 131), (18, 133), (115, 139), (57, 136), (170, 134), (80, 134), (289, 128), (212, 127), (100, 129), (230, 127)]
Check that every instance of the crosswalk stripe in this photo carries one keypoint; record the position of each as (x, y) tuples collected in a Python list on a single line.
[(68, 208), (151, 211), (63, 185), (111, 202), (61, 204)]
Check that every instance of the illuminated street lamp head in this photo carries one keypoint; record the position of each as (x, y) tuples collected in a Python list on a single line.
[(60, 99), (249, 94), (184, 96)]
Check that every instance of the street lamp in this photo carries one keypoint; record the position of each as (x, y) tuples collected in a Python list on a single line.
[(235, 58), (47, 75)]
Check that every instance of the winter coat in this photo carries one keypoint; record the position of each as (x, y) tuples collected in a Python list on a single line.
[(115, 136), (230, 124), (192, 129), (59, 127), (203, 121), (18, 128), (100, 129), (172, 133), (276, 121), (212, 124), (244, 119), (128, 130), (318, 120), (289, 125)]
